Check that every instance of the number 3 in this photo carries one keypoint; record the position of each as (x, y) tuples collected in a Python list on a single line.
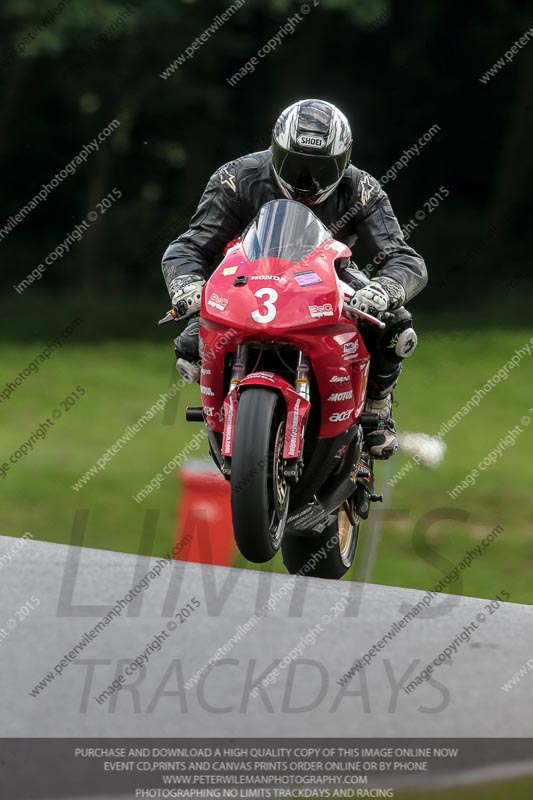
[(269, 308)]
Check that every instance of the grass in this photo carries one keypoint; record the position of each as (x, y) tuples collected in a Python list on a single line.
[(445, 372), (123, 379)]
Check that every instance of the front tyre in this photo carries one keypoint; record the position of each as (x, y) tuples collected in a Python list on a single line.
[(329, 554), (259, 492)]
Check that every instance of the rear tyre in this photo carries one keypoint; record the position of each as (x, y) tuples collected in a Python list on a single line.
[(329, 554), (259, 492)]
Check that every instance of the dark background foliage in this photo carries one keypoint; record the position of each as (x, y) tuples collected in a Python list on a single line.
[(395, 68)]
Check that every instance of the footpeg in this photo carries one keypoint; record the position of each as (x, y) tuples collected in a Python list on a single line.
[(369, 420), (194, 414), (364, 488), (376, 498)]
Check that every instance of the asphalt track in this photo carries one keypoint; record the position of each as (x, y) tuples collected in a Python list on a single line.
[(76, 587)]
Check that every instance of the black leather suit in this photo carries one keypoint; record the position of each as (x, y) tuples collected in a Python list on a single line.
[(357, 209)]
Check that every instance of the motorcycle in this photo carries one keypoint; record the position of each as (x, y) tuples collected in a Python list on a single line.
[(283, 383)]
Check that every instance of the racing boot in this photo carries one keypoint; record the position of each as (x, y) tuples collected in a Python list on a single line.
[(382, 443)]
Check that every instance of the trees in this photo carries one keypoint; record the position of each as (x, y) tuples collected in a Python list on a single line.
[(69, 68)]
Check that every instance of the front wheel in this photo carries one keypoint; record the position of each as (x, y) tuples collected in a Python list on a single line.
[(259, 491), (328, 554)]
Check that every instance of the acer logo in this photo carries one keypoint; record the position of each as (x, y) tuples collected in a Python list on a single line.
[(341, 416)]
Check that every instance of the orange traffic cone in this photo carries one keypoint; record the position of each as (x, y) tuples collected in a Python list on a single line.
[(205, 517)]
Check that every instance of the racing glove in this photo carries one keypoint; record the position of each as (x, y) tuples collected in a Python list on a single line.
[(186, 294), (381, 294)]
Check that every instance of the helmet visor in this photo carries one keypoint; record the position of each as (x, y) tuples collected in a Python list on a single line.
[(307, 175)]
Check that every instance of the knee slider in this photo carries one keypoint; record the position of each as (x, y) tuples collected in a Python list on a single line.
[(406, 343), (399, 338)]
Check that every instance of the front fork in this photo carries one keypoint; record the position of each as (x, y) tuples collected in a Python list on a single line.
[(238, 370), (238, 367), (293, 467)]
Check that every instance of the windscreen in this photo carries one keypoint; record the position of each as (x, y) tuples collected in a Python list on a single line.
[(284, 229)]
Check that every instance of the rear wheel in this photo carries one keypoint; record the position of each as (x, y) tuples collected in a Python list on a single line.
[(259, 492), (329, 554)]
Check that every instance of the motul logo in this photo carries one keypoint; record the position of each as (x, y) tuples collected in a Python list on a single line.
[(337, 397)]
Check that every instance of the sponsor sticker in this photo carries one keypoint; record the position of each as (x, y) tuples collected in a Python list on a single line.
[(266, 375), (207, 390), (229, 424), (350, 350), (363, 471), (338, 397), (218, 302), (339, 379), (294, 429), (307, 278), (229, 270), (351, 347), (325, 310), (266, 278), (341, 416)]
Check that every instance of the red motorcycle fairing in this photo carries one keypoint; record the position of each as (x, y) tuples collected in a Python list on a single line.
[(297, 410), (341, 375), (276, 292), (339, 359), (300, 304)]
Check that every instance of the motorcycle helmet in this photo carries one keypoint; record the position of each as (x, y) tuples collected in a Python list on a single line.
[(311, 148)]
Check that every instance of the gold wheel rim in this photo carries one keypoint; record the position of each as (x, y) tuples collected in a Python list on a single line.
[(346, 533)]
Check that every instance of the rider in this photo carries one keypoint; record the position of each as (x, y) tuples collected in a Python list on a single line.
[(308, 161)]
